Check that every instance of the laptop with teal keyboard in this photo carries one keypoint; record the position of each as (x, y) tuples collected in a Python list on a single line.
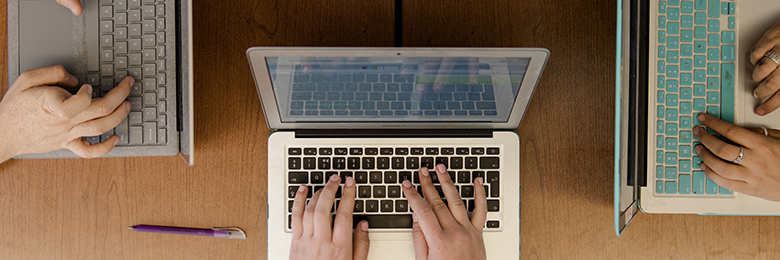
[(676, 59)]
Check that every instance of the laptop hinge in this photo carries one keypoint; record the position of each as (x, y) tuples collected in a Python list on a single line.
[(637, 157), (394, 133)]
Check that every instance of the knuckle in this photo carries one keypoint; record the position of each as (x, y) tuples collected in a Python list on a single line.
[(763, 146), (365, 242), (343, 219), (719, 149), (58, 67), (25, 75), (62, 113), (417, 234), (95, 129), (105, 109), (772, 82), (732, 130), (726, 172), (756, 55), (60, 71), (423, 211), (408, 192), (439, 204)]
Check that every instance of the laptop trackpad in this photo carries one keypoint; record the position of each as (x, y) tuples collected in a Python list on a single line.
[(46, 35)]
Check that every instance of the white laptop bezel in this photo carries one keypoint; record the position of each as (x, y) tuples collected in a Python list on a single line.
[(262, 79)]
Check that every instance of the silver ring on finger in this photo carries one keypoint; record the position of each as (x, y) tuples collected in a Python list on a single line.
[(741, 155), (773, 56), (766, 131)]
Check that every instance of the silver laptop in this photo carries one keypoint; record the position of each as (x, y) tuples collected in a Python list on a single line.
[(112, 39), (378, 115), (676, 59)]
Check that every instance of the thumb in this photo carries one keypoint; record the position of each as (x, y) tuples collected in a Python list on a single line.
[(73, 105), (360, 241), (73, 5), (420, 245)]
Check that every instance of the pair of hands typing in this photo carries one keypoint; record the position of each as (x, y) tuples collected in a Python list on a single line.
[(38, 117), (749, 165), (438, 231)]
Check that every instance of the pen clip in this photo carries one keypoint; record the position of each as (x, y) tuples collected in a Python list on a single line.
[(235, 233)]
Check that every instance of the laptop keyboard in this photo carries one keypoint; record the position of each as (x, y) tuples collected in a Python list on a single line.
[(386, 94), (133, 42), (696, 57), (379, 172)]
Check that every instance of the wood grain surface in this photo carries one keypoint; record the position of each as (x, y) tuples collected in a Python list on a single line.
[(80, 209)]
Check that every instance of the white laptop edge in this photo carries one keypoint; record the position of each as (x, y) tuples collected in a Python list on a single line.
[(187, 135), (622, 215)]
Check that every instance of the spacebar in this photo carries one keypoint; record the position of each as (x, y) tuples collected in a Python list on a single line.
[(384, 221)]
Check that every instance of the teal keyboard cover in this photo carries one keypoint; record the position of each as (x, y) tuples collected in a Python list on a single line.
[(696, 58)]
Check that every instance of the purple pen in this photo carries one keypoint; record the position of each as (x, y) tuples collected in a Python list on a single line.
[(234, 233)]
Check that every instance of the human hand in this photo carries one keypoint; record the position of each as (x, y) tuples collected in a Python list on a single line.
[(766, 71), (313, 237), (37, 117), (758, 174), (442, 232), (445, 71), (73, 5)]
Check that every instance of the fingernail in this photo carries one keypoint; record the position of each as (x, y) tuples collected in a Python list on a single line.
[(350, 181), (73, 79), (424, 171), (132, 81), (479, 180), (698, 149), (128, 105), (703, 166), (116, 141), (754, 94), (301, 188), (414, 218), (334, 177), (364, 226), (441, 168), (72, 8), (407, 183), (702, 117), (89, 89), (760, 112), (696, 130)]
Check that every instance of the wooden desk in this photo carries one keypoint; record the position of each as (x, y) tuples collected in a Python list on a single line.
[(80, 209)]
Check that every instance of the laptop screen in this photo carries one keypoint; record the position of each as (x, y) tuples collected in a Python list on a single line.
[(388, 89)]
